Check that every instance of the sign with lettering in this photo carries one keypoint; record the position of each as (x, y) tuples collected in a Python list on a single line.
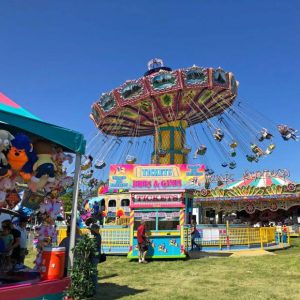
[(160, 214), (281, 173), (225, 178), (157, 177), (151, 200)]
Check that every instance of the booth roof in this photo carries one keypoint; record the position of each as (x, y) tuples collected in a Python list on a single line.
[(14, 115)]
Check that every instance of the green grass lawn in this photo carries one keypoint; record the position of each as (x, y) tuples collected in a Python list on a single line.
[(262, 277)]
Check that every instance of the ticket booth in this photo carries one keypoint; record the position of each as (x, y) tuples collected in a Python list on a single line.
[(165, 213), (162, 196)]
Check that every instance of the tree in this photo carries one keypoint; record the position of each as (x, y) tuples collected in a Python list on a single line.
[(67, 200)]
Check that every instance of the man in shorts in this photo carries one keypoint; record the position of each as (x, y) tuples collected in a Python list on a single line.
[(142, 242)]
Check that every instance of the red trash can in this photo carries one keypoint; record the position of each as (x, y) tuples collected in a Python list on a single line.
[(53, 262)]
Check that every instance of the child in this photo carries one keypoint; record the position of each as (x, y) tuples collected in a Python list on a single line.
[(23, 242), (8, 240)]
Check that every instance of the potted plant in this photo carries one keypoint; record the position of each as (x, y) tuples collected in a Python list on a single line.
[(84, 270)]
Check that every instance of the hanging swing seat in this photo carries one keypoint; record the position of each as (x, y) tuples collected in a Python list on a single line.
[(87, 164), (251, 158), (100, 165), (270, 149), (233, 154), (162, 152), (209, 171), (130, 159), (256, 150), (218, 135), (186, 150), (201, 150), (233, 145), (232, 165), (265, 135), (88, 175), (287, 133)]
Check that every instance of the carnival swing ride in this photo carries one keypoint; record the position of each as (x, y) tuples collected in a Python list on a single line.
[(155, 122), (151, 116)]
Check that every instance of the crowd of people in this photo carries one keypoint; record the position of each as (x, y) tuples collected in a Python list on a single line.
[(14, 239), (13, 244)]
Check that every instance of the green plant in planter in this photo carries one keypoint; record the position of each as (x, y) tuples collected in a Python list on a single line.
[(83, 271)]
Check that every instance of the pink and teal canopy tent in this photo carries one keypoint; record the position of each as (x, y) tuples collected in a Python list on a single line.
[(13, 115), (14, 118), (262, 181)]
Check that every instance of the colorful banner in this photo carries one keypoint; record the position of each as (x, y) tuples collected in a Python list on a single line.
[(157, 177)]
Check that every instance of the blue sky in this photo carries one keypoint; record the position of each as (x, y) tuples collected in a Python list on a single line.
[(57, 57)]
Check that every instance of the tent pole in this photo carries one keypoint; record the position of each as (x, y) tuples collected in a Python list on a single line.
[(74, 208)]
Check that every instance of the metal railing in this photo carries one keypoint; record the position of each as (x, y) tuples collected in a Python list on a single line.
[(231, 237), (123, 221), (215, 237), (111, 237), (115, 237)]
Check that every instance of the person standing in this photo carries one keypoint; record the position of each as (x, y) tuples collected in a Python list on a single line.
[(7, 239), (142, 242), (65, 242), (95, 260), (96, 209), (194, 234), (15, 257), (23, 242)]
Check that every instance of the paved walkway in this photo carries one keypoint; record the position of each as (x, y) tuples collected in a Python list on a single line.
[(258, 252), (239, 253)]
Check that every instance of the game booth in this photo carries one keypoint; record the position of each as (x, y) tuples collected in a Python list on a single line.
[(252, 207), (32, 158), (165, 214)]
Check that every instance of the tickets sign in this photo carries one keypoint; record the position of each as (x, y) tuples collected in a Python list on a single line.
[(156, 177)]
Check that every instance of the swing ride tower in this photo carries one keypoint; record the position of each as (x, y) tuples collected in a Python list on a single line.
[(163, 103)]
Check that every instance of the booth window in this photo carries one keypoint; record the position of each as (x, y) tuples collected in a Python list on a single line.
[(168, 223), (151, 223), (158, 220), (125, 202), (112, 203)]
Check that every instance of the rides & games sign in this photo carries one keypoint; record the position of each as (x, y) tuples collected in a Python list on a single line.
[(157, 177)]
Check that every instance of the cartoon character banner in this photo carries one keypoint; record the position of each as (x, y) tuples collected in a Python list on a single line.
[(156, 177)]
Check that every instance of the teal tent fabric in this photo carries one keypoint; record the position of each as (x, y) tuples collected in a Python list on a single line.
[(13, 115)]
